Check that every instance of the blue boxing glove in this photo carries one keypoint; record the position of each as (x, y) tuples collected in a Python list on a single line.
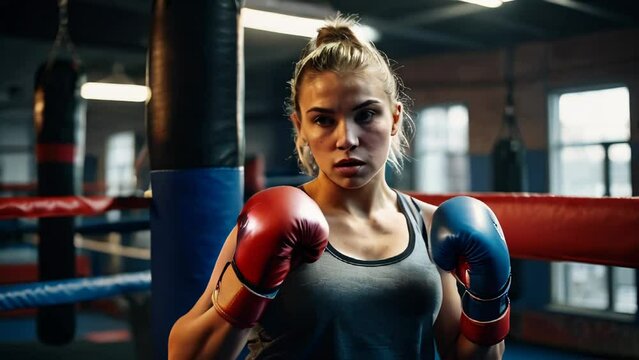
[(466, 238)]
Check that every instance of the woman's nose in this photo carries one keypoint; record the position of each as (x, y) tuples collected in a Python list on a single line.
[(347, 138)]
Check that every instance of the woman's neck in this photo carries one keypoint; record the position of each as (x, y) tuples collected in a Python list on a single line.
[(361, 201)]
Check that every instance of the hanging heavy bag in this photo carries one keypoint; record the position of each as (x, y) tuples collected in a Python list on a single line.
[(509, 165), (509, 170), (59, 116)]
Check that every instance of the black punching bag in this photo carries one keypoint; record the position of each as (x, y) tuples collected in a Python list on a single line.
[(509, 156), (59, 116), (509, 162)]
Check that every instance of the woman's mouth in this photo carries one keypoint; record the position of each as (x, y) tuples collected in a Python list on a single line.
[(348, 167)]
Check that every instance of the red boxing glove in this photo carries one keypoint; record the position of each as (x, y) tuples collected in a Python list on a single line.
[(278, 229)]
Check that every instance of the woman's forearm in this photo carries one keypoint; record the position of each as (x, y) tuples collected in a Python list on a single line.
[(206, 336), (469, 350)]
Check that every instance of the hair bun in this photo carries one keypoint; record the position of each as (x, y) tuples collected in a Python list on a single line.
[(336, 33)]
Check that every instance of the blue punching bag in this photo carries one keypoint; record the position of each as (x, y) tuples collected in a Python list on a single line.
[(196, 147)]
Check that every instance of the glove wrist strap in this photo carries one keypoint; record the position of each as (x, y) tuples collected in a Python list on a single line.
[(483, 309), (235, 301), (267, 294), (486, 333)]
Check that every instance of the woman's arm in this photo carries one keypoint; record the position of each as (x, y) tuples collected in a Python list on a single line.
[(451, 344), (278, 228), (202, 333)]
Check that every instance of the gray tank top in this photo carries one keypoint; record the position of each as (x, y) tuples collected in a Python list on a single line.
[(344, 308)]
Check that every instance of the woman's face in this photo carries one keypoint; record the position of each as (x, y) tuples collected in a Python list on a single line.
[(348, 122)]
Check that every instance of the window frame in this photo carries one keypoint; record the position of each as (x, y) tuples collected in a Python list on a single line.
[(448, 153), (130, 188), (554, 178)]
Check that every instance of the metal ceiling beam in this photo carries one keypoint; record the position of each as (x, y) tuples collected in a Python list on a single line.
[(441, 14), (137, 6), (518, 26), (595, 11), (290, 7), (454, 11), (398, 28), (419, 35)]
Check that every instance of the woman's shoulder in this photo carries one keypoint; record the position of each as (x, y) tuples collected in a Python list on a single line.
[(426, 208)]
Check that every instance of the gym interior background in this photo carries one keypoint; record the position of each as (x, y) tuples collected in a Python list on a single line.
[(561, 76)]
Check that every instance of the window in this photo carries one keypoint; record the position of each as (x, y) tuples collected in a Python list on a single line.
[(17, 161), (590, 156), (120, 171), (441, 150)]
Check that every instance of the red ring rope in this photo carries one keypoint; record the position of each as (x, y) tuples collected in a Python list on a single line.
[(12, 208), (559, 228), (542, 227)]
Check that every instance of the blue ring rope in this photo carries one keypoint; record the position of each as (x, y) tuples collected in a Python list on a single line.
[(71, 290)]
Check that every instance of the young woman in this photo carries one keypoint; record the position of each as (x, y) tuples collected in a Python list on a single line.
[(375, 286)]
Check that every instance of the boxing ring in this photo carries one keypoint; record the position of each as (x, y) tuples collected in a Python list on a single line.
[(197, 193), (68, 291)]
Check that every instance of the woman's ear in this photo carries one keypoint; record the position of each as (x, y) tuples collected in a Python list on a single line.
[(397, 119), (296, 121), (298, 129)]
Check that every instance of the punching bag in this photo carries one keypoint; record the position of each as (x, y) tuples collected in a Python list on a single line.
[(509, 162), (196, 148), (509, 157), (509, 152), (59, 119)]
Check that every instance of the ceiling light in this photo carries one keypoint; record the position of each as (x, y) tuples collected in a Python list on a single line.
[(115, 87), (487, 3), (115, 92), (119, 87), (293, 25)]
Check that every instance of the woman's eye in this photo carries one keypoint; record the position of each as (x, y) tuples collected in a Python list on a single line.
[(365, 116), (323, 120)]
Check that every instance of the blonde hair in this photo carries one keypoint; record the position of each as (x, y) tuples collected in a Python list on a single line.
[(337, 48)]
